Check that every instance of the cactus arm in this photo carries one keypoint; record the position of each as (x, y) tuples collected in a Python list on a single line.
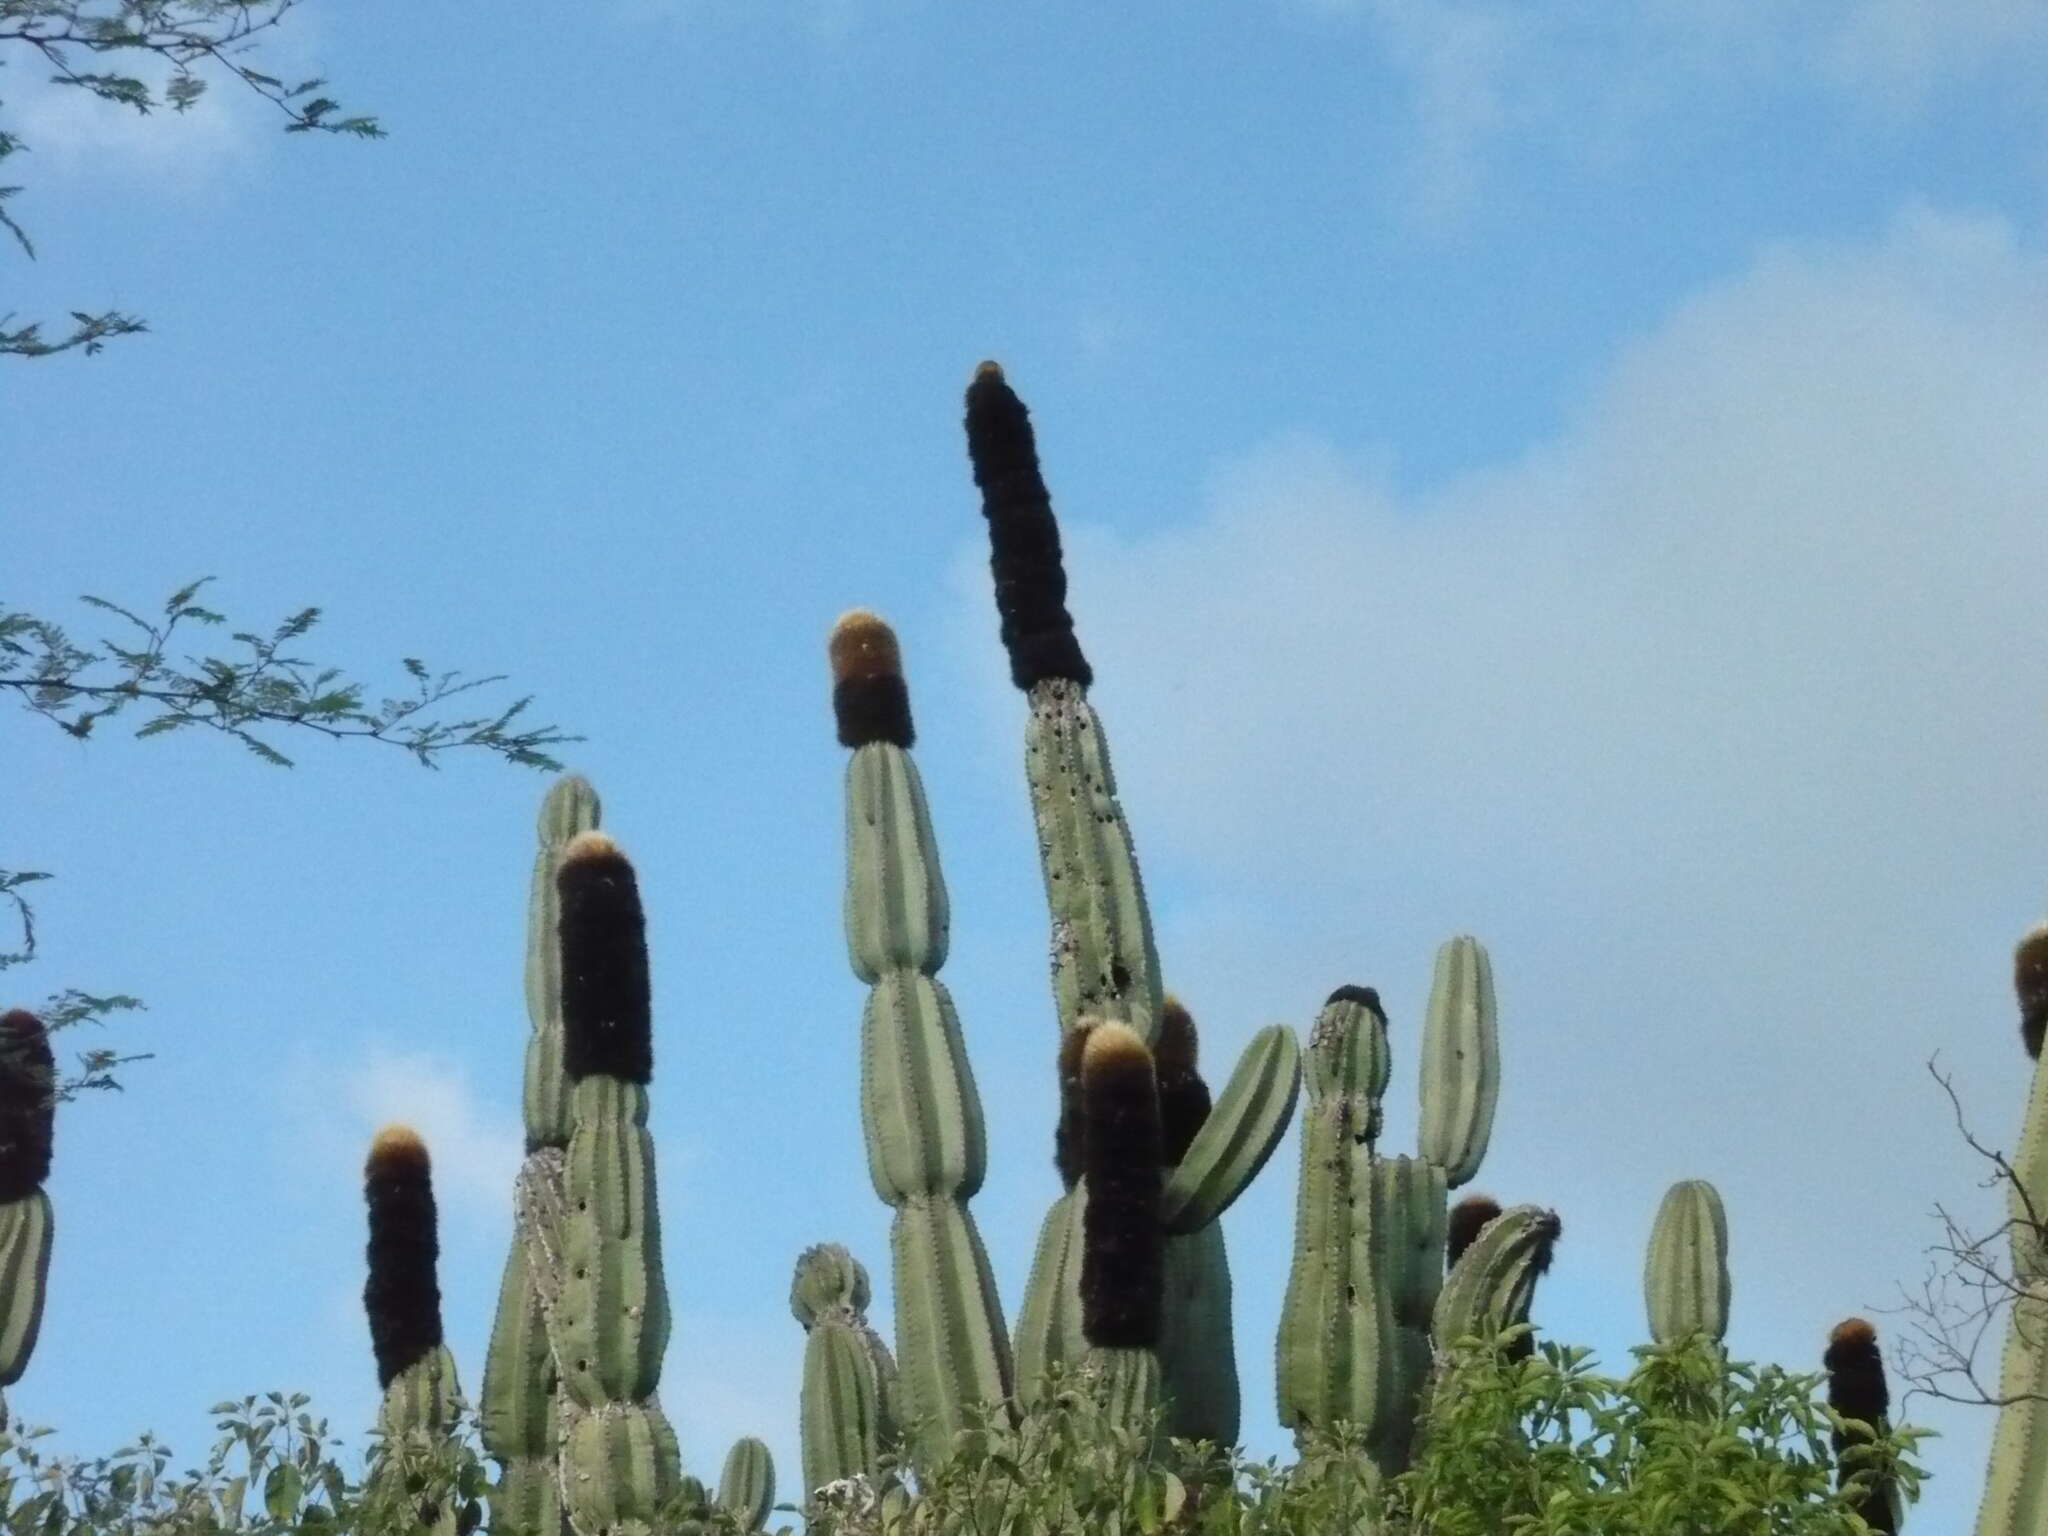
[(746, 1485), (1493, 1284), (25, 1232), (1239, 1135), (1049, 1321), (846, 1409), (1460, 1061), (1685, 1274)]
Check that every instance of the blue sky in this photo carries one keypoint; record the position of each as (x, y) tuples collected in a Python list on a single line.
[(1570, 479)]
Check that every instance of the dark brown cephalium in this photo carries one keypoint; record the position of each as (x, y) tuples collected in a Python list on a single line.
[(1467, 1220), (28, 1104), (2030, 981), (1365, 995), (401, 1296), (1857, 1390), (1024, 539), (869, 698), (1122, 1242), (1183, 1096), (1066, 1138), (607, 1022)]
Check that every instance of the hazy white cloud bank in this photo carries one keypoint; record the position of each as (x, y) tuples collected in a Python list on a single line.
[(1594, 77), (1723, 716)]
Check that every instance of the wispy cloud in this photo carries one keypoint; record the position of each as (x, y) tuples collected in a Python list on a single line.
[(476, 1147), (1593, 79)]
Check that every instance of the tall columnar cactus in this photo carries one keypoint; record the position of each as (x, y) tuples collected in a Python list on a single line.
[(920, 1113), (1105, 967), (609, 1321), (2016, 1485), (402, 1300), (516, 1410), (28, 1081), (746, 1484), (1857, 1391), (1355, 1337), (1685, 1273), (847, 1408)]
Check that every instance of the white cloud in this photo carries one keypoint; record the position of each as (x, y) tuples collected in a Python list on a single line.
[(1722, 716), (1593, 78), (476, 1149)]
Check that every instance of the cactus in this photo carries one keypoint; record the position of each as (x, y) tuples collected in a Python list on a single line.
[(746, 1486), (608, 1323), (919, 1110), (516, 1409), (1123, 1245), (1365, 1291), (1685, 1276), (1858, 1394), (1490, 1288), (402, 1300), (2015, 1499), (847, 1409), (28, 1079)]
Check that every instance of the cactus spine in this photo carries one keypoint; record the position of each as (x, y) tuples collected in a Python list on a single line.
[(28, 1080), (847, 1408), (2015, 1499), (1685, 1276), (1364, 1292), (920, 1113)]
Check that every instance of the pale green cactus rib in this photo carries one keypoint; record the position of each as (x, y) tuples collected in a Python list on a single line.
[(26, 1227), (1049, 1322), (1460, 1061), (1685, 1273), (846, 1409), (897, 915), (1240, 1134), (619, 1467), (1493, 1284), (1104, 963), (611, 1316), (570, 806), (1197, 1345), (516, 1407), (746, 1485), (920, 1115), (1126, 1383)]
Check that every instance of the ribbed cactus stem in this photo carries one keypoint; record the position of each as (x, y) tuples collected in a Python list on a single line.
[(28, 1078), (516, 1408), (609, 1321), (1460, 1061), (1857, 1391), (1685, 1275), (920, 1114), (746, 1484), (847, 1406), (1493, 1285)]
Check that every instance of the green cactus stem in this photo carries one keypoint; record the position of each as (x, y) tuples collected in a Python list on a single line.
[(570, 808), (1048, 1334), (28, 1078), (609, 1321), (1238, 1136), (746, 1486), (1460, 1061), (920, 1113), (1685, 1276), (1858, 1393), (846, 1417), (1197, 1341)]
